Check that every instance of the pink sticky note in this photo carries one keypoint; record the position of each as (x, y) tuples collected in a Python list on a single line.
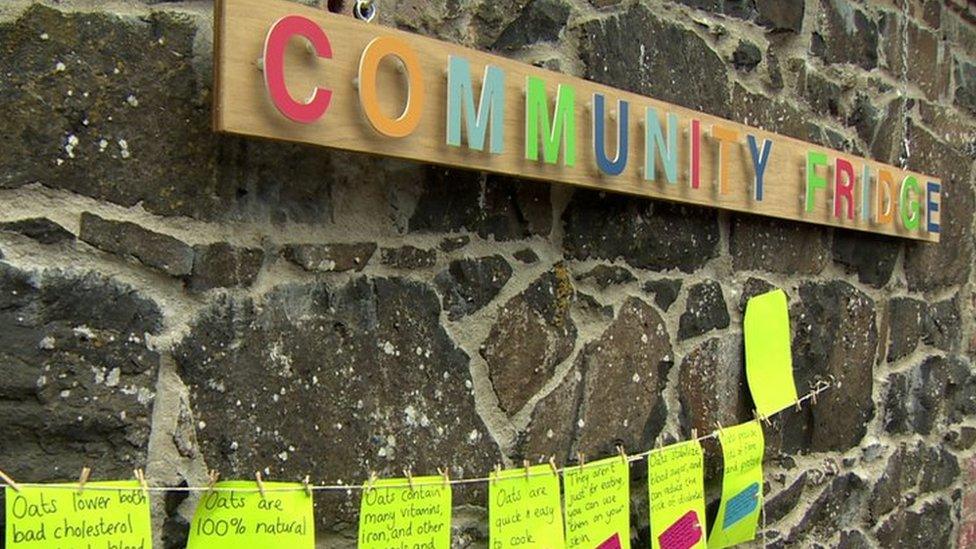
[(684, 533), (612, 543)]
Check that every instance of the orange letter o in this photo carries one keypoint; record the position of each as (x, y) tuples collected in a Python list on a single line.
[(375, 51)]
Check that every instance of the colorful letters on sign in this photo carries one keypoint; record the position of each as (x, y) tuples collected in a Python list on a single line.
[(375, 89)]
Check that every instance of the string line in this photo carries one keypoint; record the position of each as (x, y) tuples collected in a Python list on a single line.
[(820, 387)]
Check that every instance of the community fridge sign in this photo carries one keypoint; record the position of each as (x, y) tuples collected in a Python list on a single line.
[(294, 73)]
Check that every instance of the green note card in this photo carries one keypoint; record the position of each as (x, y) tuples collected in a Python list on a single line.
[(44, 517), (598, 504), (738, 512), (524, 509), (769, 361), (394, 516), (676, 480), (234, 515)]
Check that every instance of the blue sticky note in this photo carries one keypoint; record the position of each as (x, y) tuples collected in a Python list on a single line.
[(741, 505)]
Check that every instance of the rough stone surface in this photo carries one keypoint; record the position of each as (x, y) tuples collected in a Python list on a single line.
[(705, 310), (330, 257), (527, 256), (827, 512), (159, 251), (605, 276), (712, 385), (761, 244), (665, 291), (495, 207), (940, 391), (647, 235), (366, 365), (942, 326), (845, 34), (553, 427), (966, 85), (623, 373), (785, 500), (221, 265), (746, 56), (78, 377), (834, 334), (871, 257), (930, 266), (930, 526), (899, 477), (540, 21), (408, 257), (904, 326), (640, 52), (533, 334), (40, 229), (469, 284), (98, 142), (781, 15)]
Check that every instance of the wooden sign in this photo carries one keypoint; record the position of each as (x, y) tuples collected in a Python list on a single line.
[(294, 73)]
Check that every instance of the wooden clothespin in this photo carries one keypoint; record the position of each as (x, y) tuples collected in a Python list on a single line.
[(409, 475), (10, 482), (308, 485), (213, 476), (623, 455), (443, 473), (813, 395), (83, 478), (720, 430), (141, 477), (799, 406), (759, 418), (498, 472), (372, 480), (694, 434), (581, 458), (527, 466), (552, 465), (257, 478)]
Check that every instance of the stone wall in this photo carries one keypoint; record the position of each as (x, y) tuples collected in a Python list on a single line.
[(177, 300)]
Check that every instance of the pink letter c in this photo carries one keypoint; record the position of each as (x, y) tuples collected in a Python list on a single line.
[(274, 68)]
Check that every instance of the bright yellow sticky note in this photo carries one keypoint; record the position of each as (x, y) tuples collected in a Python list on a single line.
[(394, 516), (769, 361), (598, 505), (676, 480), (42, 517), (234, 515), (742, 453), (524, 509)]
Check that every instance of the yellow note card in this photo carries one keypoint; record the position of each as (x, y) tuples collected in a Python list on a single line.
[(769, 361), (392, 515), (524, 509), (598, 505), (234, 515), (676, 480), (49, 516), (742, 455)]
